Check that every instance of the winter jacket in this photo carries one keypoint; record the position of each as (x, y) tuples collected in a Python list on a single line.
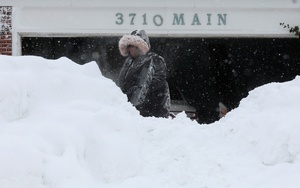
[(143, 80)]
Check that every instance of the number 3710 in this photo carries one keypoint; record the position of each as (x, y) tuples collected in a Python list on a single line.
[(120, 19)]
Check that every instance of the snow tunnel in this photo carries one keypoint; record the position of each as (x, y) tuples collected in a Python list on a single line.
[(203, 71)]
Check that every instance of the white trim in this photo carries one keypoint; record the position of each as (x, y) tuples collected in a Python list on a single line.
[(291, 4), (162, 35), (16, 45)]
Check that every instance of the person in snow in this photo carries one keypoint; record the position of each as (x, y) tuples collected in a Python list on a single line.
[(143, 76)]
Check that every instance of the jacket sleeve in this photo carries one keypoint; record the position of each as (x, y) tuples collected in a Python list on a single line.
[(160, 73), (146, 77), (152, 76)]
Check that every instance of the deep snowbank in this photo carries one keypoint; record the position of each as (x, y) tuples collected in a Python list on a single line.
[(64, 125)]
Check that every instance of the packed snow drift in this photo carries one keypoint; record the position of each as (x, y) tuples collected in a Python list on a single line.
[(64, 125)]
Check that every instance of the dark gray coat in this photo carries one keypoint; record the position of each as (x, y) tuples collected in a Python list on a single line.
[(143, 80)]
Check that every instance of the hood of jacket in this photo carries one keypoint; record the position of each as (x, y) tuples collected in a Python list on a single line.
[(137, 38)]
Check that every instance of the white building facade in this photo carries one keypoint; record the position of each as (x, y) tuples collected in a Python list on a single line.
[(163, 18)]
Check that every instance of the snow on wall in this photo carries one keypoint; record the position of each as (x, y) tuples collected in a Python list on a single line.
[(5, 30)]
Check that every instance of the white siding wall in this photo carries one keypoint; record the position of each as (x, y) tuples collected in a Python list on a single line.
[(194, 18)]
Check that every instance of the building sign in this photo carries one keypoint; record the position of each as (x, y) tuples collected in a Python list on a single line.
[(178, 19), (160, 21)]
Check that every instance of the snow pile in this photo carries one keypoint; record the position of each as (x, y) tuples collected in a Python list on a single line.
[(64, 125)]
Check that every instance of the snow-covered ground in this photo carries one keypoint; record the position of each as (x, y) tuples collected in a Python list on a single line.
[(64, 125)]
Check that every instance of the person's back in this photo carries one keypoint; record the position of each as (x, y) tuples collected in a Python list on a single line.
[(143, 76)]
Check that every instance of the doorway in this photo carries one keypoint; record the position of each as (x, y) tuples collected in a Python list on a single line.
[(206, 71)]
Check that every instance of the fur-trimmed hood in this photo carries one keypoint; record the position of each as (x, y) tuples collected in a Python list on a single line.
[(137, 38)]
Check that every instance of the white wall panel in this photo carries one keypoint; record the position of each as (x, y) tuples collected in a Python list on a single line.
[(176, 18)]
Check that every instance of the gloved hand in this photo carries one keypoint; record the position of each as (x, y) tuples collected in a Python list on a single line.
[(136, 97)]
